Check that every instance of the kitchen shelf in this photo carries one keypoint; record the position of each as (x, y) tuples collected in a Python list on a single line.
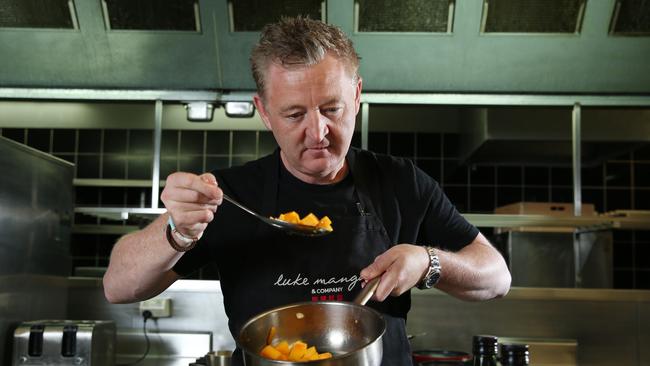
[(562, 294), (604, 222), (128, 183), (121, 213), (479, 220)]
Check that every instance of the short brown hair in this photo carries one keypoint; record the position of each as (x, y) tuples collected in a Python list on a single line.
[(300, 42)]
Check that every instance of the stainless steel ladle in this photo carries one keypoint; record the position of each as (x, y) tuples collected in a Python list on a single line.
[(287, 227)]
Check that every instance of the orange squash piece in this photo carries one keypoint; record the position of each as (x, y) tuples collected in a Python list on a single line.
[(283, 347), (324, 355), (309, 353), (269, 352), (297, 351), (325, 223), (291, 217), (309, 220)]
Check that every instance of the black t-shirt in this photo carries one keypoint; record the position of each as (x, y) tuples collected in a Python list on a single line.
[(337, 199), (409, 203), (414, 210)]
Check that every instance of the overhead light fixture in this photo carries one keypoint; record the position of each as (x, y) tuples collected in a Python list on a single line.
[(239, 109), (199, 111)]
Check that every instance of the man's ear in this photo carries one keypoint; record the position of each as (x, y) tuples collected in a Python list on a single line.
[(259, 104), (357, 96)]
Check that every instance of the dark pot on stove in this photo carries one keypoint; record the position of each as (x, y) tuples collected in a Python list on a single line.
[(441, 358)]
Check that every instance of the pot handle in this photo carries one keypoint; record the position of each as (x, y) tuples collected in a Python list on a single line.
[(367, 292)]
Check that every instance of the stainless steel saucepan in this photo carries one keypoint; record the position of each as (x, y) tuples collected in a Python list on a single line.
[(351, 331)]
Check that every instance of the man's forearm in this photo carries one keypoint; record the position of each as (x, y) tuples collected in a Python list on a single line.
[(140, 265), (477, 272)]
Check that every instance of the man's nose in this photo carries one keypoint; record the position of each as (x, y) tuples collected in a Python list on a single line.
[(317, 126)]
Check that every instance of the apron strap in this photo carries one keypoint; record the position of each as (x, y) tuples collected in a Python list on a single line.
[(375, 187)]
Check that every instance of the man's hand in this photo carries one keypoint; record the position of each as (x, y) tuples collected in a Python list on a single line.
[(400, 267), (191, 200)]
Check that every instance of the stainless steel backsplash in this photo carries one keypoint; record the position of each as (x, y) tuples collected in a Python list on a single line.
[(36, 205), (197, 307)]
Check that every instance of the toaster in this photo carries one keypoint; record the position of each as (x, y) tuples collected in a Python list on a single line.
[(64, 342)]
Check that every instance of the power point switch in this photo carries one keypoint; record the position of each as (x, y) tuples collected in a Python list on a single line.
[(159, 307)]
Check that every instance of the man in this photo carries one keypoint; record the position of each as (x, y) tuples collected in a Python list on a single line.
[(390, 219)]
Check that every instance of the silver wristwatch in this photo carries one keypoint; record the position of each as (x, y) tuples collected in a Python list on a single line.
[(433, 274)]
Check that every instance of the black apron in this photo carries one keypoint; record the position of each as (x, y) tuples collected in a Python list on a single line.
[(322, 268)]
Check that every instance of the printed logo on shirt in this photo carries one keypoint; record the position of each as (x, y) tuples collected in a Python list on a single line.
[(322, 288)]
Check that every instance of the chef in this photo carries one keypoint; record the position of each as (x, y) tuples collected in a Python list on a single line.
[(389, 219)]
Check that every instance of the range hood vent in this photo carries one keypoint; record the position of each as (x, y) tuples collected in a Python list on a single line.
[(429, 16), (252, 15), (542, 136), (55, 14), (532, 16), (437, 45), (631, 17), (168, 15)]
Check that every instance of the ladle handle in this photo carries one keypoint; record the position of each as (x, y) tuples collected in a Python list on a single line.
[(367, 292)]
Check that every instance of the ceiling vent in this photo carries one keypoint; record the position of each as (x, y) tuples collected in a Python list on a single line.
[(542, 136), (156, 15), (631, 17), (532, 16), (56, 14), (414, 16), (252, 15)]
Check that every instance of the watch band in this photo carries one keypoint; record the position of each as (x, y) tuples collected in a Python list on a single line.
[(172, 234), (433, 273)]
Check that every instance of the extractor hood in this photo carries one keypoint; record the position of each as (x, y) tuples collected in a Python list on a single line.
[(432, 46), (542, 136)]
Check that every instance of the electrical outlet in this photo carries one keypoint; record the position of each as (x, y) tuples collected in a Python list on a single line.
[(159, 307)]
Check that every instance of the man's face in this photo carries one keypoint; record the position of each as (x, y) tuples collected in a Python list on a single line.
[(311, 111)]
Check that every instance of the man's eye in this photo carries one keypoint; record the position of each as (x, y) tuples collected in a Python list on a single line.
[(294, 116), (333, 110)]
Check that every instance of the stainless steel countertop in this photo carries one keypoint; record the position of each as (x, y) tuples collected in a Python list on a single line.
[(577, 294)]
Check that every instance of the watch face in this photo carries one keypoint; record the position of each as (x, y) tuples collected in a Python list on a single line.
[(433, 279)]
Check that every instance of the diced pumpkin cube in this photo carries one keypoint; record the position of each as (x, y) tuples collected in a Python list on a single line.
[(309, 220), (283, 347), (299, 345), (325, 221), (270, 352), (292, 217), (297, 351), (309, 352), (324, 355)]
